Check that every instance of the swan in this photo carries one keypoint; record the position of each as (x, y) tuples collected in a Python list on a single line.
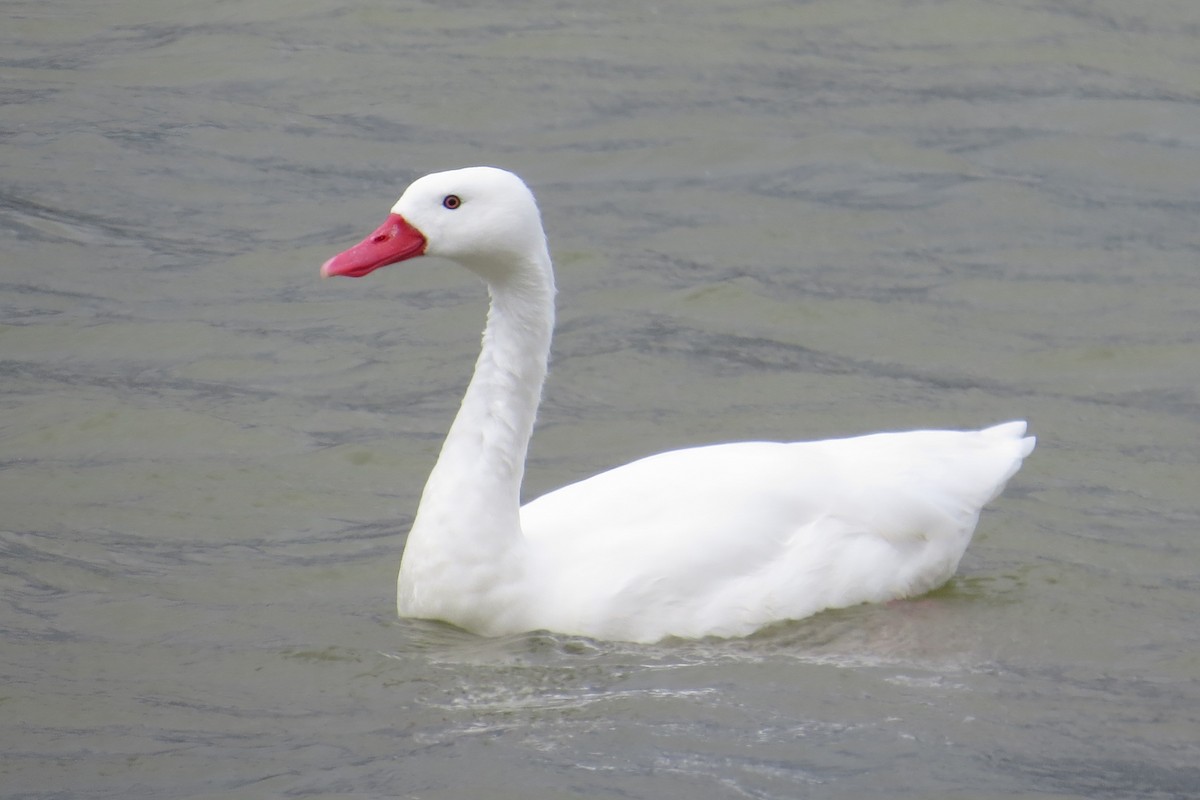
[(717, 540)]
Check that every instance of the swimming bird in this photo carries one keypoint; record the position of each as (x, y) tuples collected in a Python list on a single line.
[(717, 540)]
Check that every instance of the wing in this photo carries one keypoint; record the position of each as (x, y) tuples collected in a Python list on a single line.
[(780, 529)]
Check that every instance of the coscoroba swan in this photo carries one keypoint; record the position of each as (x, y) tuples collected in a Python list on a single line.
[(709, 541)]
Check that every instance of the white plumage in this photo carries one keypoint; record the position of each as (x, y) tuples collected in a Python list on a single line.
[(707, 541)]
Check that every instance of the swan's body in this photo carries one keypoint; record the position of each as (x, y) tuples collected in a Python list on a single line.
[(708, 541)]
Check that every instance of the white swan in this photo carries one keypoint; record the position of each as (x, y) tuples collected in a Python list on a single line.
[(709, 541)]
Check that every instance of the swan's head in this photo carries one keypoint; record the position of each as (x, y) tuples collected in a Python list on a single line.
[(484, 218)]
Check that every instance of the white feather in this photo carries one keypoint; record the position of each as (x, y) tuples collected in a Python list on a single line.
[(708, 541)]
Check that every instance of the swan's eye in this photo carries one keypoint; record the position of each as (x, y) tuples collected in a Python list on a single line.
[(451, 201)]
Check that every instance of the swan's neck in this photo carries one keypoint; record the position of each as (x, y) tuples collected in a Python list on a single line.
[(484, 452), (466, 539)]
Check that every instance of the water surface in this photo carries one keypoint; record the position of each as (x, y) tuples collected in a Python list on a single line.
[(770, 220)]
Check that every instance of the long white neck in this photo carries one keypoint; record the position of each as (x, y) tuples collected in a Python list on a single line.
[(467, 532)]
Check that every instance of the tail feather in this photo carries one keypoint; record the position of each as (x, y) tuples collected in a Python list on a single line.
[(1013, 430)]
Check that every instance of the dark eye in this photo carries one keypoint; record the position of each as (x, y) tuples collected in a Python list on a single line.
[(451, 201)]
